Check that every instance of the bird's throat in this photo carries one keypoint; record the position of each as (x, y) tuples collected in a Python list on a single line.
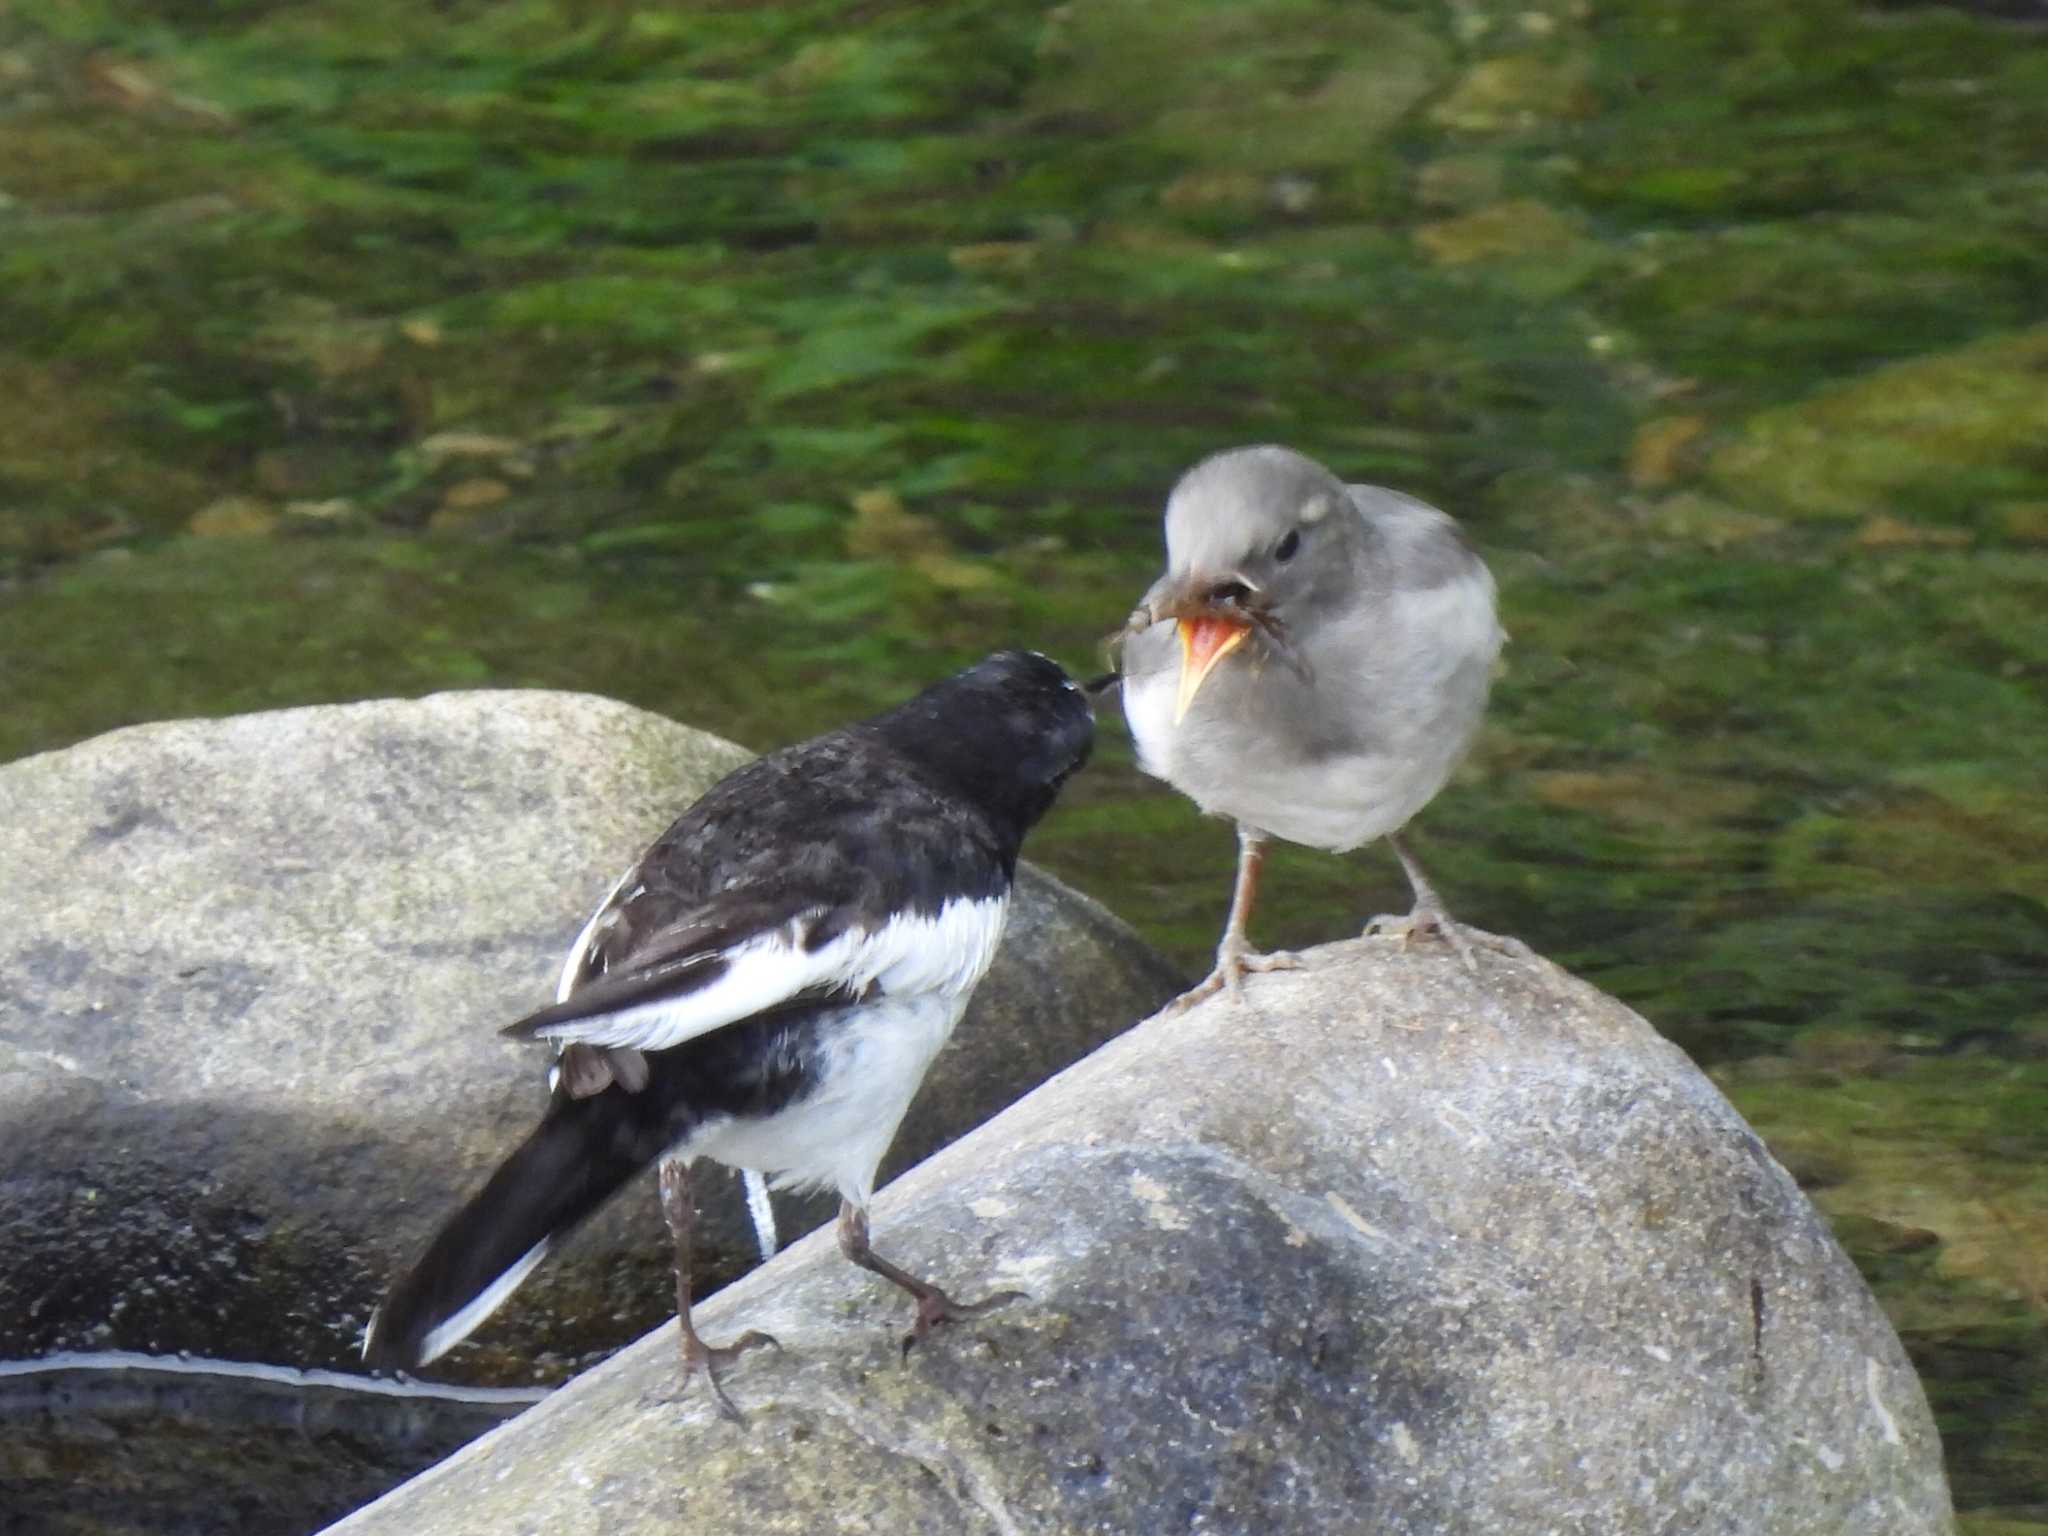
[(1204, 641)]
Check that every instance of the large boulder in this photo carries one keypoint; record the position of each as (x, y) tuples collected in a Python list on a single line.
[(249, 987), (1388, 1248)]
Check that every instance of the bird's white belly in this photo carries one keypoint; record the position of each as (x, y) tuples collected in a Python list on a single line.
[(1335, 802), (1338, 803), (836, 1137)]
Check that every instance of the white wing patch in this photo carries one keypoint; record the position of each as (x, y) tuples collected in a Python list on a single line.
[(600, 921), (945, 954), (465, 1322), (949, 953), (762, 1209)]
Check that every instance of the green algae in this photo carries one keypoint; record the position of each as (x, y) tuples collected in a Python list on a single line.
[(714, 286), (1942, 435)]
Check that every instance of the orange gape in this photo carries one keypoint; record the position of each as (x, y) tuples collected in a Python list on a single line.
[(1204, 641)]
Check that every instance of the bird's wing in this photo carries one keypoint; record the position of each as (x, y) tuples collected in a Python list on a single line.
[(814, 873), (1423, 546), (741, 956)]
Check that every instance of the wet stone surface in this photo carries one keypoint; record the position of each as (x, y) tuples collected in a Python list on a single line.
[(1389, 1245)]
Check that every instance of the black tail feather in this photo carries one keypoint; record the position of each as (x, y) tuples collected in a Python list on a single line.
[(583, 1152), (580, 1155)]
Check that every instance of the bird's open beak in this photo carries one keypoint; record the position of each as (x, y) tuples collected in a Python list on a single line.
[(1205, 639), (1212, 616)]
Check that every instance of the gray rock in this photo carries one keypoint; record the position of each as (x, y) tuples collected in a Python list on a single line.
[(249, 988), (1390, 1249)]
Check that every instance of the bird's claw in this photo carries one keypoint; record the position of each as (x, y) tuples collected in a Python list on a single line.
[(1233, 963), (1435, 923), (1424, 923), (712, 1359), (935, 1307)]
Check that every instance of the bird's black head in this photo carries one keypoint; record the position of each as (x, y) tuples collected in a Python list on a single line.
[(1006, 733)]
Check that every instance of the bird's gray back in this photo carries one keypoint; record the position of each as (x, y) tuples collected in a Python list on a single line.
[(1418, 547)]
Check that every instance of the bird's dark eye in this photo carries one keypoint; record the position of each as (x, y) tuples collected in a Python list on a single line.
[(1286, 549)]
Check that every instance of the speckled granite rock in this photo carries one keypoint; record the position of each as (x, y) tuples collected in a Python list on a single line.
[(250, 982), (1391, 1249)]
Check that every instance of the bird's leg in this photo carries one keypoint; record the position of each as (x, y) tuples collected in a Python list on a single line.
[(679, 1209), (1235, 955), (1428, 916), (934, 1306)]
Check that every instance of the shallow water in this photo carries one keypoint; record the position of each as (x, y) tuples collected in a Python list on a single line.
[(106, 1444), (758, 363)]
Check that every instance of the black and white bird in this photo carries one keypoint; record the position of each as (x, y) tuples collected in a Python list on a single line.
[(1313, 664), (767, 987)]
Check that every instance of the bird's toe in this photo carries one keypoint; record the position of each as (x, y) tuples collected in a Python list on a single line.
[(1455, 935), (1434, 923), (1207, 987), (1233, 964), (936, 1307), (1275, 960), (711, 1361)]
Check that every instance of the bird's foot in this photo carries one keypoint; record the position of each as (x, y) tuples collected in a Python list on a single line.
[(934, 1306), (1424, 922), (713, 1359), (1233, 962), (1433, 922)]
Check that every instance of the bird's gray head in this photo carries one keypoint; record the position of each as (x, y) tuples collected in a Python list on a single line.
[(1255, 539), (1252, 513)]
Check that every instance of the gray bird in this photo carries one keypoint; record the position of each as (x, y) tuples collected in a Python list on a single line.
[(1313, 665)]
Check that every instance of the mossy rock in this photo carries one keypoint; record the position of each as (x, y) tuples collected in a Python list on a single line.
[(1275, 85), (1943, 433)]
